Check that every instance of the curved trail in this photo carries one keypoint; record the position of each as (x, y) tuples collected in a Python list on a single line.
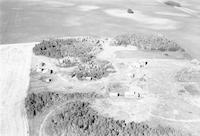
[(176, 120), (15, 63), (49, 114)]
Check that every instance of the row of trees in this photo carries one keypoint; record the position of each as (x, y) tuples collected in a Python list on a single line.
[(79, 119), (147, 42)]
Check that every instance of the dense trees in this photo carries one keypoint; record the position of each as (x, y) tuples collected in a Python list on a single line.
[(79, 119), (147, 42), (83, 49), (93, 70), (35, 103)]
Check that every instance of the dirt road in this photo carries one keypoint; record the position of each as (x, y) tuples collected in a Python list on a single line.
[(15, 62)]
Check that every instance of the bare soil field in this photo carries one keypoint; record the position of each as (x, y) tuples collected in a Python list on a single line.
[(15, 64)]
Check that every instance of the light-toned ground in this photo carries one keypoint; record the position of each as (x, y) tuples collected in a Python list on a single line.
[(150, 22), (15, 64), (160, 100)]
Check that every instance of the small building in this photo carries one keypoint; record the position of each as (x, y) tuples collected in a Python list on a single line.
[(45, 70), (51, 71), (48, 80), (114, 94), (130, 94)]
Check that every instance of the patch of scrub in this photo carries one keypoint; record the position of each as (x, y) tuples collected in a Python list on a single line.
[(172, 14), (192, 90), (173, 3), (88, 7), (149, 21)]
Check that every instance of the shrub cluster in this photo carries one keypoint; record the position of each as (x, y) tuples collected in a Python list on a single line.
[(79, 119), (35, 103), (173, 3), (93, 70), (147, 42), (72, 47)]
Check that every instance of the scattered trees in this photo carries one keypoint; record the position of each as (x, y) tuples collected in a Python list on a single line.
[(78, 118), (147, 42)]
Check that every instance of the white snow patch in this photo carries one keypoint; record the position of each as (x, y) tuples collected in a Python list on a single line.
[(88, 7), (172, 14)]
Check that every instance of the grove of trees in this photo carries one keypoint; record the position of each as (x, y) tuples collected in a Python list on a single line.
[(79, 119), (147, 42), (35, 103), (72, 47)]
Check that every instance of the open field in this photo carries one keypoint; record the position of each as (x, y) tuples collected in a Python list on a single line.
[(34, 20), (15, 64)]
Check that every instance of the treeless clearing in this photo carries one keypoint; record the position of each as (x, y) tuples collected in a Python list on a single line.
[(15, 64)]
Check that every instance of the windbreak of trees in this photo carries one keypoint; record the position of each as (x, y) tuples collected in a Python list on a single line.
[(147, 42), (79, 119)]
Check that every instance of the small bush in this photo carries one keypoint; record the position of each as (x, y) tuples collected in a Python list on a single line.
[(130, 11), (94, 70), (173, 3)]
